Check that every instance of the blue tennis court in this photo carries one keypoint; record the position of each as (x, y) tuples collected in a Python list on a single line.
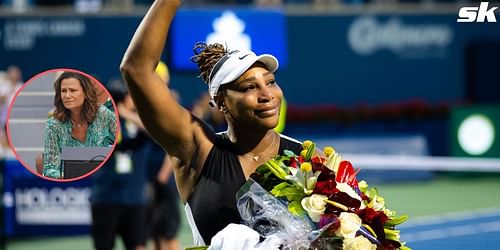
[(479, 229)]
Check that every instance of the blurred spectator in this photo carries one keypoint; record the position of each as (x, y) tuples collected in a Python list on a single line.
[(53, 2), (4, 88), (14, 83), (209, 114), (217, 2), (119, 202), (4, 85), (102, 96), (88, 6), (164, 211), (164, 206), (10, 82)]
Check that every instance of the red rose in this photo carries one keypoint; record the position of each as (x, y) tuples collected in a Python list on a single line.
[(375, 219), (293, 162), (325, 187)]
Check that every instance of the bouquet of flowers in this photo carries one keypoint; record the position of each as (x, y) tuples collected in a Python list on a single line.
[(313, 201)]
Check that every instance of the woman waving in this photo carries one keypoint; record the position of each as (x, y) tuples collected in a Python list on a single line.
[(212, 167)]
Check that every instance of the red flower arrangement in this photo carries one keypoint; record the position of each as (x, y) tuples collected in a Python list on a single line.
[(322, 192)]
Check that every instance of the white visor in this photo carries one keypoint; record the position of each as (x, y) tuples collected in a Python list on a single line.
[(233, 65)]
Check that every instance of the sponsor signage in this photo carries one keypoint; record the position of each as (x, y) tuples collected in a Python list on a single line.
[(263, 31), (33, 205)]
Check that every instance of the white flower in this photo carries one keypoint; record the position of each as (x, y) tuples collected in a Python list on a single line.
[(358, 243), (389, 213), (377, 203), (315, 206), (344, 187), (306, 180), (333, 162), (349, 225), (311, 180)]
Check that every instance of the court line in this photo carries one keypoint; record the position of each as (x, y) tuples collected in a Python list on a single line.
[(424, 163), (447, 232), (451, 217)]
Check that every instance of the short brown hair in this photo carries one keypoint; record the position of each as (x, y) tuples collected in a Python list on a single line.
[(89, 110)]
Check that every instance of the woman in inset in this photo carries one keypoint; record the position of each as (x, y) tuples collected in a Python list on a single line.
[(77, 121), (212, 167)]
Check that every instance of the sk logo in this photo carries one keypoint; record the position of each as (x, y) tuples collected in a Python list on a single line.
[(477, 14)]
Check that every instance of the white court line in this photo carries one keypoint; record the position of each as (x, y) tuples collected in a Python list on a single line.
[(453, 231), (451, 217), (428, 163), (447, 232)]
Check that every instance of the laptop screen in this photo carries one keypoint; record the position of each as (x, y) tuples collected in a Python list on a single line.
[(77, 161)]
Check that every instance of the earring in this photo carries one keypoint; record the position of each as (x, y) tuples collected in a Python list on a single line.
[(223, 109)]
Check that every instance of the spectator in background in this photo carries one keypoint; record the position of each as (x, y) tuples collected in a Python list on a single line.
[(103, 99), (10, 83), (118, 199), (212, 116), (78, 121), (164, 208)]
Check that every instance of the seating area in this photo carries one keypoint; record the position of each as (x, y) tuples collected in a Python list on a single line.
[(28, 115)]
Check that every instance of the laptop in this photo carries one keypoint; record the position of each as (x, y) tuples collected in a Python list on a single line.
[(78, 161)]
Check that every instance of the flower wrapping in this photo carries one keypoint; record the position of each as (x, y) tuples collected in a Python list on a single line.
[(314, 201), (268, 215)]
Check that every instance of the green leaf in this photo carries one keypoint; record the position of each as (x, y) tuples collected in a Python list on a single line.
[(363, 186), (196, 248), (279, 187), (296, 209), (262, 169), (371, 193), (276, 169), (404, 248), (396, 220), (391, 234), (310, 152), (288, 190)]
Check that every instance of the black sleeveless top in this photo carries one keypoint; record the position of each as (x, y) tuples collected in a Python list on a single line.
[(213, 201)]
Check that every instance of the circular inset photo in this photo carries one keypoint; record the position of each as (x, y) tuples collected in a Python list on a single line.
[(62, 125)]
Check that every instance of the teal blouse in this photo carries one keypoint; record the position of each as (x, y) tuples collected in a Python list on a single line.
[(100, 133)]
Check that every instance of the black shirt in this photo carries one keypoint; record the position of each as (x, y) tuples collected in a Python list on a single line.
[(213, 201)]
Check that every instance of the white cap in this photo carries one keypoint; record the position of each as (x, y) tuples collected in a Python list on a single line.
[(233, 65)]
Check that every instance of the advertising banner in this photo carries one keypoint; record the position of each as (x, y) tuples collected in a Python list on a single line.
[(263, 31), (34, 206)]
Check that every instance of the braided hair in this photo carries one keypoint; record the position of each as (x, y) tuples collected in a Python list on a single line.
[(206, 56)]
